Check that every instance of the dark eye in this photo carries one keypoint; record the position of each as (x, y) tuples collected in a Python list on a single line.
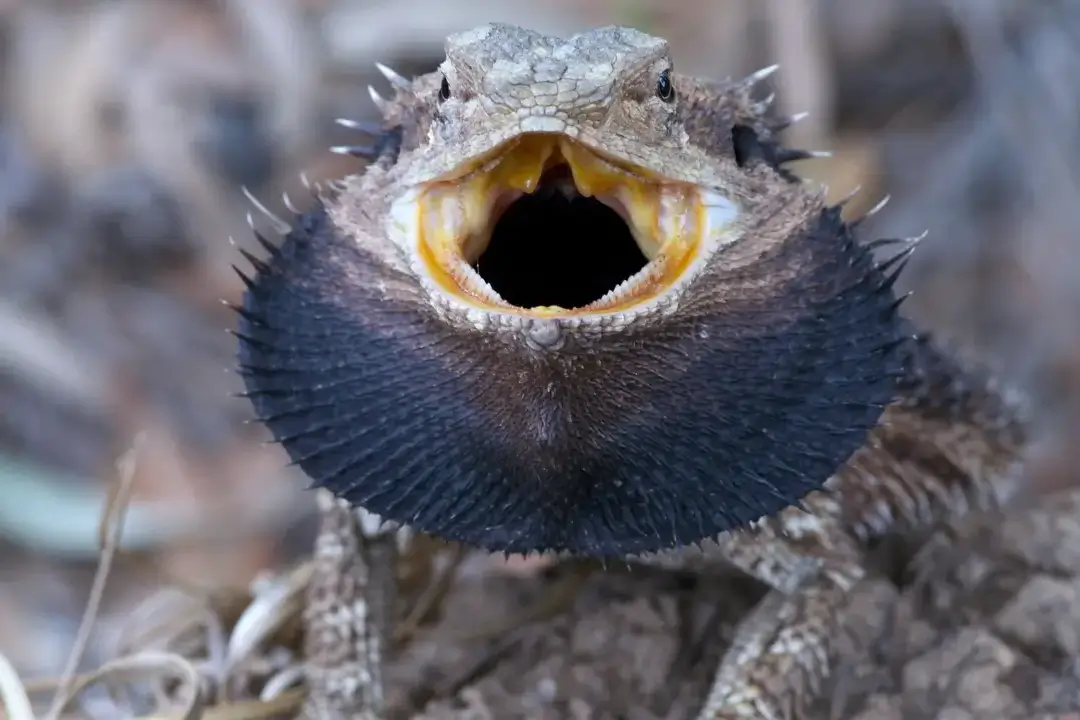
[(747, 145), (444, 90), (664, 89)]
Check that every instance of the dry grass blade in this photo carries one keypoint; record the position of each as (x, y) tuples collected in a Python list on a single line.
[(143, 665), (235, 646), (431, 597), (280, 684), (279, 602), (13, 695), (109, 536), (175, 620), (287, 703)]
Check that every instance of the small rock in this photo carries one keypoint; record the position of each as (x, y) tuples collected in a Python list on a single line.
[(1048, 536), (965, 671), (954, 713), (580, 710), (1059, 694), (920, 637), (868, 614), (1044, 613), (882, 707), (911, 634)]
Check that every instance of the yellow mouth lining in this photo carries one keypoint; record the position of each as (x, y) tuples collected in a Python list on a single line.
[(458, 217)]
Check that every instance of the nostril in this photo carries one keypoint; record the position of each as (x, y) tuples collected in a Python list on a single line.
[(239, 144)]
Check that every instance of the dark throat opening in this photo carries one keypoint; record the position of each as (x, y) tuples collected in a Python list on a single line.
[(550, 249)]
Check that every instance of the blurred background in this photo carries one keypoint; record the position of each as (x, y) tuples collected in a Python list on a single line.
[(127, 128)]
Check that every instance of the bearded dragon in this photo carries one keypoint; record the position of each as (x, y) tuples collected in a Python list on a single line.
[(577, 304)]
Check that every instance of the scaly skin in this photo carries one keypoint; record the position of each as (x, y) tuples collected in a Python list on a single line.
[(348, 613), (766, 395)]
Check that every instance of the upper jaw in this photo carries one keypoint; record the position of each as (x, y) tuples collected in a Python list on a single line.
[(670, 158)]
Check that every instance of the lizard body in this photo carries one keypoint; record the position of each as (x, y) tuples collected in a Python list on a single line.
[(749, 381)]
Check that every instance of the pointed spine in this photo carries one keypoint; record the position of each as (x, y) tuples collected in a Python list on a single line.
[(364, 152), (393, 77), (380, 102), (280, 225), (360, 126), (756, 77)]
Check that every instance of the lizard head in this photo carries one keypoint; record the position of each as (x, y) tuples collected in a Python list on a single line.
[(575, 304), (595, 117)]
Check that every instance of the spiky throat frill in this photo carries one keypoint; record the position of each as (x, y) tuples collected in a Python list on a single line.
[(655, 436)]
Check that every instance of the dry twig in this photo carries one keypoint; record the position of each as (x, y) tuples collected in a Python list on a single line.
[(109, 537)]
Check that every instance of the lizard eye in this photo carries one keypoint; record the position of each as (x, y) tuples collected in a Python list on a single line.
[(664, 89), (444, 90)]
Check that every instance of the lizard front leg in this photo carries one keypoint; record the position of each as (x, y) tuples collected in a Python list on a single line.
[(781, 650), (349, 612)]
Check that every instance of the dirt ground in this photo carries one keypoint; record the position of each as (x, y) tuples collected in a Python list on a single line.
[(991, 629), (980, 622)]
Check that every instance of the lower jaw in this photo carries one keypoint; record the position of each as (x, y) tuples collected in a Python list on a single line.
[(456, 219)]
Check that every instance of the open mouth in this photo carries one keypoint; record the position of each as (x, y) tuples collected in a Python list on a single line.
[(545, 226)]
